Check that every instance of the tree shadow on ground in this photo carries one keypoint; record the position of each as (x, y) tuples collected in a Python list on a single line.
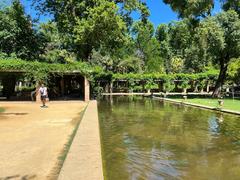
[(19, 177)]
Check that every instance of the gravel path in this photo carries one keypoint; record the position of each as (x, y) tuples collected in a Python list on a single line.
[(32, 138)]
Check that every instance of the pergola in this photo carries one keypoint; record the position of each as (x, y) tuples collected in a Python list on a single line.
[(63, 82)]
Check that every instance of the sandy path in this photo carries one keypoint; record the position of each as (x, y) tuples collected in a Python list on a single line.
[(32, 140)]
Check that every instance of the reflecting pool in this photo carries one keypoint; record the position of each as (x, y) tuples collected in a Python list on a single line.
[(150, 139)]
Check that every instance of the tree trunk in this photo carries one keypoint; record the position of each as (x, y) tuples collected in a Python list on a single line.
[(220, 81)]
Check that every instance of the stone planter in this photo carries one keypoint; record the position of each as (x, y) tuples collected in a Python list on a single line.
[(220, 102), (185, 98)]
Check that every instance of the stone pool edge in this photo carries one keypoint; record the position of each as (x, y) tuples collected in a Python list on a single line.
[(84, 159), (198, 105)]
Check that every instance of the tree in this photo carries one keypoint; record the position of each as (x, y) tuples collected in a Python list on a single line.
[(177, 65), (16, 32), (102, 27), (231, 5), (148, 48), (180, 37), (54, 48), (175, 41), (162, 35), (91, 24), (234, 71), (5, 3), (220, 36), (191, 9)]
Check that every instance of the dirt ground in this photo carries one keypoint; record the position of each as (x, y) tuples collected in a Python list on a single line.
[(32, 138)]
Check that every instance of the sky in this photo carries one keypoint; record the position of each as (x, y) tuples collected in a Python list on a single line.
[(160, 12)]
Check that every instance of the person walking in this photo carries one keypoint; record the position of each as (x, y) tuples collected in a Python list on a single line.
[(44, 95)]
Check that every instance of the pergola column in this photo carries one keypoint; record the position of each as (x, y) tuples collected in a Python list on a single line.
[(86, 90), (111, 87), (38, 95), (208, 86)]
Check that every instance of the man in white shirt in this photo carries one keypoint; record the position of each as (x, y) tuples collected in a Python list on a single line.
[(44, 95)]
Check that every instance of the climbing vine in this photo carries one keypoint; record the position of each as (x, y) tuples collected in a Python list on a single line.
[(42, 71)]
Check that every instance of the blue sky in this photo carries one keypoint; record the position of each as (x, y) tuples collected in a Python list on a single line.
[(160, 12)]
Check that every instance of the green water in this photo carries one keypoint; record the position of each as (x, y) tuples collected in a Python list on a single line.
[(154, 140)]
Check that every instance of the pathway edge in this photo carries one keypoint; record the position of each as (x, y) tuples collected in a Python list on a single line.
[(84, 159)]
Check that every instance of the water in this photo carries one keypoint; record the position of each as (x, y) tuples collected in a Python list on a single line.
[(154, 140)]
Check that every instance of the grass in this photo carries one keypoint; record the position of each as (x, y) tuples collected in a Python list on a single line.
[(229, 104)]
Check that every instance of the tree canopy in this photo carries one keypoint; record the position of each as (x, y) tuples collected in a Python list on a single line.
[(104, 33)]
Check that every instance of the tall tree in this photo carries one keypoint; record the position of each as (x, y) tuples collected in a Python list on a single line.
[(102, 27), (148, 47), (54, 48), (175, 42), (16, 32), (191, 9), (231, 5), (220, 36), (91, 24), (162, 35)]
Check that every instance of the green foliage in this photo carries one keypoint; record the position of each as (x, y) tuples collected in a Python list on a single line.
[(231, 5), (234, 70), (147, 46), (186, 8), (41, 71), (176, 65), (168, 80), (184, 84), (169, 85), (130, 64), (125, 64), (131, 84), (16, 32), (102, 26), (151, 84), (93, 24), (202, 83), (165, 77), (104, 33), (219, 36), (54, 50)]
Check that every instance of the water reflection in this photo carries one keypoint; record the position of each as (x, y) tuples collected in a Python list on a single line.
[(150, 139)]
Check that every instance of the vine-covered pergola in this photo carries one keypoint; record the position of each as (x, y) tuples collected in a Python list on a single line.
[(157, 82), (61, 76)]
